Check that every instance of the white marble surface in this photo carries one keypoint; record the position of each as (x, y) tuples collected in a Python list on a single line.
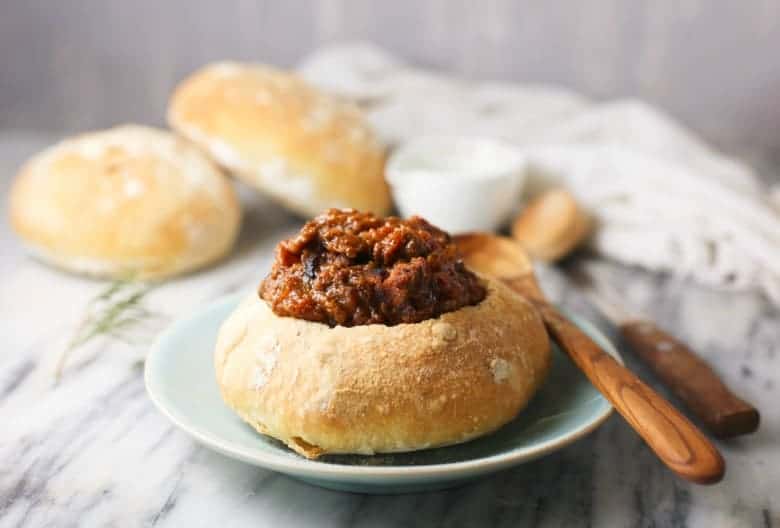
[(92, 451)]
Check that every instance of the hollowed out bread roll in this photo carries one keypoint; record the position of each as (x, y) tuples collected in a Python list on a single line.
[(306, 149), (129, 201), (375, 388)]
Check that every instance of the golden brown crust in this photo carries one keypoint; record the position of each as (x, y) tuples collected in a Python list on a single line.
[(308, 150), (373, 388), (129, 200)]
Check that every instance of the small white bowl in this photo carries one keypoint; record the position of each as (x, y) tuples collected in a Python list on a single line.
[(457, 183)]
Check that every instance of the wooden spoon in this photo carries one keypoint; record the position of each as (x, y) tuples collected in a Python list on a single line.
[(552, 225), (676, 441), (549, 228)]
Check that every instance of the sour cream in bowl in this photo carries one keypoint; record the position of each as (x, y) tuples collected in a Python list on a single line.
[(457, 183)]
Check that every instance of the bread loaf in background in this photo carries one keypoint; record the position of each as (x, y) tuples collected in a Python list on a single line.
[(308, 150), (128, 201)]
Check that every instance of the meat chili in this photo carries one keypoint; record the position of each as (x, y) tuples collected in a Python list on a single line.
[(352, 268)]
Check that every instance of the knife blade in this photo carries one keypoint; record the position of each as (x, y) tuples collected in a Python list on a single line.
[(694, 381)]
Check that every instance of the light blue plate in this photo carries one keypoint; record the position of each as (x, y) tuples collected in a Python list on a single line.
[(180, 381)]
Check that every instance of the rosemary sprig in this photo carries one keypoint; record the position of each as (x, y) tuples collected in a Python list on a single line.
[(114, 312)]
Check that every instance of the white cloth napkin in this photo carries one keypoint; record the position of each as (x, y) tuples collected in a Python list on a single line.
[(664, 200)]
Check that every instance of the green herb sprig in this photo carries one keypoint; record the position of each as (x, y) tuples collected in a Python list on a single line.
[(114, 312)]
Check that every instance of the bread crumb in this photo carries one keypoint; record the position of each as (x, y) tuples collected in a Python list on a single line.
[(444, 332), (500, 369), (265, 361)]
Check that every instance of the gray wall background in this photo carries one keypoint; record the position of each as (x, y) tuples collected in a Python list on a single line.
[(83, 64)]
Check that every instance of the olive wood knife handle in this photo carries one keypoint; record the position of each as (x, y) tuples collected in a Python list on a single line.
[(676, 441), (692, 380)]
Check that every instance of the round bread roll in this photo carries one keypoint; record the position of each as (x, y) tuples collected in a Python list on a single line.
[(378, 389), (129, 201), (307, 150)]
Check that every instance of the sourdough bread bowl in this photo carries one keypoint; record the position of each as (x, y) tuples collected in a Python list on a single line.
[(128, 201), (271, 129), (387, 373)]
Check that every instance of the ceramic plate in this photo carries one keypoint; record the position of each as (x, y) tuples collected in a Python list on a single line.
[(180, 381)]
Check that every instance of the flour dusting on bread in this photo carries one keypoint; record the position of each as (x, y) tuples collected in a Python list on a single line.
[(501, 370), (376, 388), (250, 117), (127, 200)]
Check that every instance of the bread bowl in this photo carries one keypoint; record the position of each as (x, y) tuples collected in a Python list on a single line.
[(387, 378), (128, 201)]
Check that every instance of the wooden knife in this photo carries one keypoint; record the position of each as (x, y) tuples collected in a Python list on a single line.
[(722, 412)]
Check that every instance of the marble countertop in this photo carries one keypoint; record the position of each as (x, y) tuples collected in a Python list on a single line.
[(91, 450)]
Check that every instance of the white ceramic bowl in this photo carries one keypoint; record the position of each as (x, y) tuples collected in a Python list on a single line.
[(457, 183)]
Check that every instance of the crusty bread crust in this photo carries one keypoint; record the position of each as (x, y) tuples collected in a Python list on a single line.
[(271, 129), (126, 201), (375, 388)]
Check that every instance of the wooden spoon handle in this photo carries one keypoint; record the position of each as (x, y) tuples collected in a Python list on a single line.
[(692, 380), (676, 441)]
